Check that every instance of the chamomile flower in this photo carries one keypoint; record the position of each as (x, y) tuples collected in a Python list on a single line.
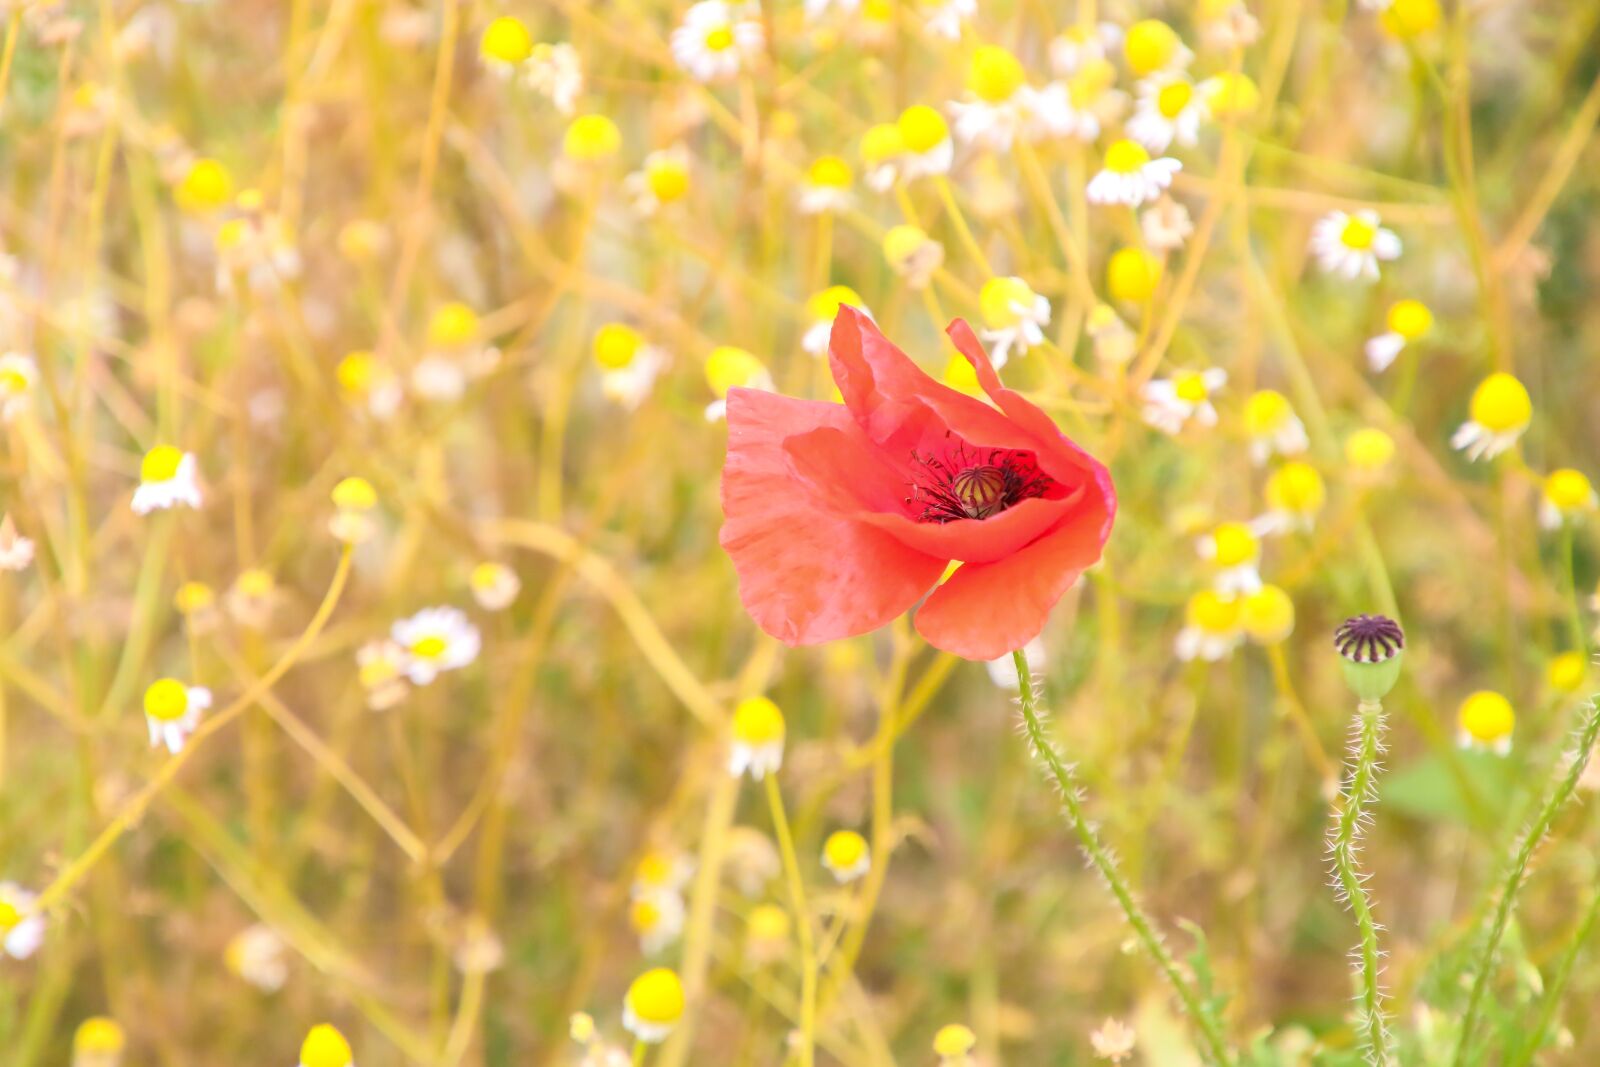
[(1295, 495), (1567, 495), (1129, 176), (912, 254), (994, 107), (1231, 95), (252, 598), (1352, 244), (197, 603), (826, 187), (943, 18), (1408, 320), (1151, 46), (1013, 316), (553, 71), (19, 937), (354, 501), (1486, 720), (172, 710), (168, 476), (435, 640), (1368, 452), (717, 39), (662, 180), (205, 187), (1114, 342), (1267, 615), (505, 44), (758, 731), (16, 551), (1272, 426), (1003, 671), (925, 137), (1172, 403), (381, 669), (494, 585), (953, 1044), (653, 1005), (1234, 551), (98, 1042), (766, 933), (325, 1046), (1169, 109), (369, 384), (18, 376), (657, 920), (1410, 18), (1500, 413), (1566, 672), (662, 870), (1211, 628), (846, 855), (591, 140), (881, 148), (628, 365), (1132, 274), (1113, 1041), (1226, 24), (1078, 45), (729, 367), (257, 955), (822, 308)]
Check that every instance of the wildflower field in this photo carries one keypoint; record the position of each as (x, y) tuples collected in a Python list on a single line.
[(650, 533)]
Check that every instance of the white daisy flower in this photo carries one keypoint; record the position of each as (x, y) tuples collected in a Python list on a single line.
[(943, 18), (1500, 413), (826, 187), (1168, 109), (926, 139), (995, 107), (882, 147), (1165, 225), (553, 71), (1408, 320), (18, 376), (757, 744), (1079, 45), (1234, 551), (1115, 344), (1273, 427), (717, 39), (1351, 245), (1130, 176), (1014, 316), (1566, 495), (846, 856), (657, 918), (1171, 403), (821, 309), (728, 367), (494, 585), (381, 667), (172, 711), (1211, 627), (1050, 112), (19, 937), (662, 179), (653, 1005), (505, 45), (167, 477), (435, 640), (256, 954)]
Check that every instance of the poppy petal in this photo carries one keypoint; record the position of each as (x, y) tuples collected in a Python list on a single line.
[(806, 573), (988, 609)]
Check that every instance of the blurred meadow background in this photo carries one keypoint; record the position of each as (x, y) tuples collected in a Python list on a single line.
[(319, 314)]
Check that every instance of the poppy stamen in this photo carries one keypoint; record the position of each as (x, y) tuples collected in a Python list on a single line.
[(967, 483)]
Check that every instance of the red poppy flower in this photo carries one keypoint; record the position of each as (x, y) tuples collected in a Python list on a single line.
[(839, 517)]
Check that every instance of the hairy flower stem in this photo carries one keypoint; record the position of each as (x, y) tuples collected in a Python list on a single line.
[(1215, 1047), (1560, 791), (1359, 793)]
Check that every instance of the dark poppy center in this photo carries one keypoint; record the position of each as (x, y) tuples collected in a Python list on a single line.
[(974, 483)]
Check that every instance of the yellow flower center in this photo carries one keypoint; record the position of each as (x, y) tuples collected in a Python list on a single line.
[(591, 138), (655, 996), (1212, 612), (1267, 615), (1487, 716), (1235, 544), (882, 143), (824, 306), (1297, 488), (160, 464), (1091, 81), (506, 40), (1369, 449), (1190, 387), (13, 381), (844, 849), (355, 371), (830, 172), (720, 38), (1004, 301), (355, 494), (1126, 157), (431, 647), (98, 1034), (668, 179), (994, 74), (1149, 46), (1411, 18), (768, 923), (167, 700), (1132, 274), (192, 597), (1500, 404), (963, 378), (453, 325), (10, 916), (1569, 490), (953, 1041), (1358, 233), (654, 869), (616, 345), (922, 128), (325, 1047), (255, 583), (1410, 319), (1233, 95), (1173, 98), (205, 186), (645, 915), (486, 576), (757, 721), (1266, 412), (1567, 672), (728, 367)]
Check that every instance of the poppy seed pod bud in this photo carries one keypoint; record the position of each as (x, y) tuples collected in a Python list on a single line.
[(1371, 647)]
